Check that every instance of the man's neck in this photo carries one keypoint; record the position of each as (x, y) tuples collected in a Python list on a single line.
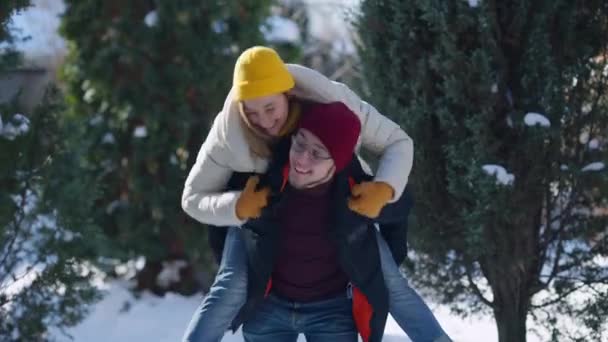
[(316, 190)]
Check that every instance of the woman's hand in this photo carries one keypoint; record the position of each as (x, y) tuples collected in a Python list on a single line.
[(252, 201), (368, 198)]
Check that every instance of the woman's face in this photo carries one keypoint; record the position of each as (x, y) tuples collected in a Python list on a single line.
[(268, 113)]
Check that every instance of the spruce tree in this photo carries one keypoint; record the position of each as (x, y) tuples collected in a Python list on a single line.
[(9, 57), (507, 105), (147, 78), (47, 240)]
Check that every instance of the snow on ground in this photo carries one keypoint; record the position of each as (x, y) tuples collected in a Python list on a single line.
[(120, 317)]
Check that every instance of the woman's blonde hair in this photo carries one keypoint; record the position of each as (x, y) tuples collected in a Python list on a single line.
[(260, 143)]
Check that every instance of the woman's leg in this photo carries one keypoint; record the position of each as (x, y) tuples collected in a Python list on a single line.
[(405, 305), (226, 296)]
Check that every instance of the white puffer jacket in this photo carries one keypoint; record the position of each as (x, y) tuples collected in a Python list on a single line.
[(225, 150)]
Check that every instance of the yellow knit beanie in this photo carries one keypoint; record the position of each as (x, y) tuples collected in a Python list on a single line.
[(260, 71)]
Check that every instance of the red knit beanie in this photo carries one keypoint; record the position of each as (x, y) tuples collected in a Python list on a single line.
[(336, 126)]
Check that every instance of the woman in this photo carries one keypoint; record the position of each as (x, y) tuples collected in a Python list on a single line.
[(263, 105)]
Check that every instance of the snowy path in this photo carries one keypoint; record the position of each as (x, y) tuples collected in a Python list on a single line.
[(119, 317)]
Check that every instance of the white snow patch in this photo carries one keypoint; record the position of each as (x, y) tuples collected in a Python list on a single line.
[(20, 278), (89, 95), (219, 26), (96, 120), (279, 29), (564, 167), (123, 318), (597, 166), (112, 207), (586, 108), (140, 263), (494, 88), (510, 121), (31, 261), (501, 174), (584, 137), (533, 119), (39, 23), (330, 22), (151, 19), (473, 3), (170, 273), (51, 259), (140, 132), (16, 126), (594, 144), (68, 236), (108, 138)]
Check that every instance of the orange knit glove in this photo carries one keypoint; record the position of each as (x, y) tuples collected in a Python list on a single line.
[(252, 201), (368, 198)]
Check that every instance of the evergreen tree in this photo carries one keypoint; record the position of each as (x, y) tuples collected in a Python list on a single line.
[(9, 58), (47, 239), (48, 243), (506, 102), (147, 78)]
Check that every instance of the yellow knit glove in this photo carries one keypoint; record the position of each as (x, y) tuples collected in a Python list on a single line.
[(252, 201), (368, 198)]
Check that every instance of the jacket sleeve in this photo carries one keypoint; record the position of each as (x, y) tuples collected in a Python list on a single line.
[(393, 219), (397, 211), (204, 198), (379, 134), (393, 225)]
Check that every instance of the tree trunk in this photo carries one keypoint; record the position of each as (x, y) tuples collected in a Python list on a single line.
[(511, 268), (511, 323), (511, 302)]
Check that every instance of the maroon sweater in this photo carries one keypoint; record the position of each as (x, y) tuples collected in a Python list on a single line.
[(307, 267)]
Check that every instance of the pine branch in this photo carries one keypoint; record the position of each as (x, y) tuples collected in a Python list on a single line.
[(476, 289), (561, 297), (17, 224)]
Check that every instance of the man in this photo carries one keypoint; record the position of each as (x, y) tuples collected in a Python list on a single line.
[(314, 264)]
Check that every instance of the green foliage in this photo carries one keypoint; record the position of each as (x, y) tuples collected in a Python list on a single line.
[(462, 80), (145, 80), (47, 237), (9, 58)]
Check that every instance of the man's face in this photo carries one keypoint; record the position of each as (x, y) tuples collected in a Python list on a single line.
[(310, 161)]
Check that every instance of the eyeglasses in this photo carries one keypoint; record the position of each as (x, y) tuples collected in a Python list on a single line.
[(316, 154)]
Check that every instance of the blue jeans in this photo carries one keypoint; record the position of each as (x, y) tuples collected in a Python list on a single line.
[(229, 291), (226, 296), (278, 320), (405, 305)]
